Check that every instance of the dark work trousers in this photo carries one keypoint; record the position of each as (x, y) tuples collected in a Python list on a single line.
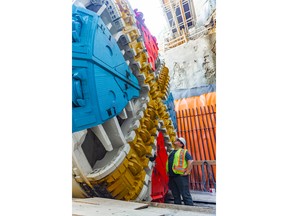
[(179, 186)]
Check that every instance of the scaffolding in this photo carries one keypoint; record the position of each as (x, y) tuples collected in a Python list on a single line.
[(180, 16)]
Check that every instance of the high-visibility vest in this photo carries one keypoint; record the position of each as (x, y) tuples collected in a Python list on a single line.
[(179, 163)]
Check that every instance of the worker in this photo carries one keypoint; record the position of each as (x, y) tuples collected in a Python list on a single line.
[(178, 167)]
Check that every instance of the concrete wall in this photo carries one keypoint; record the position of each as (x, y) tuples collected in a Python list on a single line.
[(204, 9), (192, 64)]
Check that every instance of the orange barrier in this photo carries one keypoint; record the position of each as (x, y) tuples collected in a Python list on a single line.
[(196, 120)]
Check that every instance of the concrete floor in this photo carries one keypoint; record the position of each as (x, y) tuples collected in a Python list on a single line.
[(203, 196), (205, 205), (174, 212)]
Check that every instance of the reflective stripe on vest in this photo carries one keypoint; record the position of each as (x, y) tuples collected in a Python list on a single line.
[(179, 158), (179, 164)]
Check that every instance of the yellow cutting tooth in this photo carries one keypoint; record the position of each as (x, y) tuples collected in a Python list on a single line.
[(166, 115), (151, 140), (140, 57), (153, 131), (144, 135), (112, 187), (149, 77), (153, 88), (148, 150), (145, 161), (140, 149), (157, 94), (161, 110), (123, 193), (119, 189), (145, 71), (167, 121), (152, 114), (153, 84), (148, 66), (134, 166), (149, 123), (131, 31)]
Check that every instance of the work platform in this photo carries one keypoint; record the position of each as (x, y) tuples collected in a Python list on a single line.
[(205, 205)]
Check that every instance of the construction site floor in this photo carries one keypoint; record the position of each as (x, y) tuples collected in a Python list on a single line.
[(204, 205)]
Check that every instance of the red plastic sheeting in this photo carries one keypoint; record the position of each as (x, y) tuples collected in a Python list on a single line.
[(159, 175), (196, 121)]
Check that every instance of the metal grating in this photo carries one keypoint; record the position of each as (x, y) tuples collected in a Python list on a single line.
[(198, 126)]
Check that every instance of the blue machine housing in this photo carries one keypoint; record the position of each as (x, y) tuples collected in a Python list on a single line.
[(171, 109), (102, 83)]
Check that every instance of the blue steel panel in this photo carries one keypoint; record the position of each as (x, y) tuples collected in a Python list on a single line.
[(197, 91), (171, 109), (102, 83)]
